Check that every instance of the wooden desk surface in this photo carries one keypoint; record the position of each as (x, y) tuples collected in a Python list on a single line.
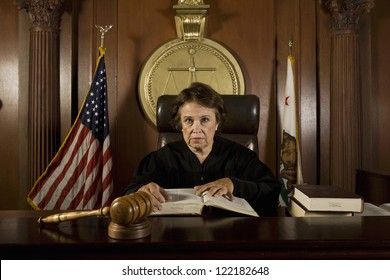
[(21, 237)]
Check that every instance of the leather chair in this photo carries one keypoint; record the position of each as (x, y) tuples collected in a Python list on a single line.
[(241, 124), (372, 186)]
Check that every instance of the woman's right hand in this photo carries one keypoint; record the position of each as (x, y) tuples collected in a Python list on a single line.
[(157, 194)]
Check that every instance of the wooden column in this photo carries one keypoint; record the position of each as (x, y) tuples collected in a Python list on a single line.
[(345, 101), (44, 91)]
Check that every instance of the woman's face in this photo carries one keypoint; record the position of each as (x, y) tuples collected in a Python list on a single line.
[(198, 125)]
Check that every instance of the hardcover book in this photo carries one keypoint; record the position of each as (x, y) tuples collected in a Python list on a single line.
[(297, 210), (186, 202), (327, 198)]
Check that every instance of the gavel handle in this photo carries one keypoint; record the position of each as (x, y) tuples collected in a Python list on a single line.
[(67, 216)]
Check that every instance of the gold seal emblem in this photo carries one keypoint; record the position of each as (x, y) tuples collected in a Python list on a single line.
[(189, 58)]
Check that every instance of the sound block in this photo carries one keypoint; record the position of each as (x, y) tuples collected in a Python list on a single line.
[(137, 230)]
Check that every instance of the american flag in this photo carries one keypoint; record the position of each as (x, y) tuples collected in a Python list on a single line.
[(80, 174)]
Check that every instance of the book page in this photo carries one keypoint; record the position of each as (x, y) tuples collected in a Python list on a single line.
[(182, 196), (373, 210), (181, 201), (238, 204), (186, 202), (385, 206)]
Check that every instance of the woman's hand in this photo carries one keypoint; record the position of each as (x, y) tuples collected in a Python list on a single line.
[(157, 194), (221, 187)]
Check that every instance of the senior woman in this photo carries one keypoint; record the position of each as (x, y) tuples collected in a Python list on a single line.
[(205, 161)]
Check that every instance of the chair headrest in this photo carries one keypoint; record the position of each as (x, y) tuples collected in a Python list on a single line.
[(242, 114)]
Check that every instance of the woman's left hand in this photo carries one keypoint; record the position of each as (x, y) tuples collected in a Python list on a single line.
[(217, 188)]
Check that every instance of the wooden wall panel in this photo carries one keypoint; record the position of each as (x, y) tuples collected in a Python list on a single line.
[(379, 112), (141, 29), (247, 28), (23, 73), (323, 92), (308, 89), (66, 61), (9, 122)]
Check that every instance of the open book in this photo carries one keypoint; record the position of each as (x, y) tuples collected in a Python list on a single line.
[(186, 202)]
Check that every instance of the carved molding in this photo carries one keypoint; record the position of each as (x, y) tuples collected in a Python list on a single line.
[(345, 14), (191, 19), (43, 13)]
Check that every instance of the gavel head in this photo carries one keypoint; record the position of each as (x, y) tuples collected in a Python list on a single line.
[(128, 216), (130, 209)]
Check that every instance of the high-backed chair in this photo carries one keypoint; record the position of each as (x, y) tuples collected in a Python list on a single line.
[(241, 125), (373, 187)]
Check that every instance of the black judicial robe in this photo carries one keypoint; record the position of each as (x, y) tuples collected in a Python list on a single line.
[(176, 166)]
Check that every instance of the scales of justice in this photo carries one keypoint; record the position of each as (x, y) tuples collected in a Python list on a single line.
[(172, 67)]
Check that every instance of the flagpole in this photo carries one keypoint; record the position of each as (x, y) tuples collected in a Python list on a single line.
[(290, 45)]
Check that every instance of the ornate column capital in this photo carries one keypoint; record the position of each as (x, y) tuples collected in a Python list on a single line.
[(346, 13), (43, 13)]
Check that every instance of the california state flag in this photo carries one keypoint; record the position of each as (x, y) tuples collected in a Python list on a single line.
[(290, 156)]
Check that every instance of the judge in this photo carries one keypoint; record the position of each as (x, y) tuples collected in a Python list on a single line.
[(205, 161)]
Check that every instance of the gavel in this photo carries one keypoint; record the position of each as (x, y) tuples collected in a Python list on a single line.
[(128, 216)]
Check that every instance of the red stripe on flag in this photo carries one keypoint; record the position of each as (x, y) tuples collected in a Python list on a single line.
[(107, 181), (95, 170), (87, 167), (66, 165), (71, 186), (55, 163)]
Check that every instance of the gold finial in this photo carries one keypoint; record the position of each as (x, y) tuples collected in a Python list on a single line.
[(190, 2), (290, 45), (103, 31)]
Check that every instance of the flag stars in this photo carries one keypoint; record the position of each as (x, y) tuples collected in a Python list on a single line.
[(95, 111)]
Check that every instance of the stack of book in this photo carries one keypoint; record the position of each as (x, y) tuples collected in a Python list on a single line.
[(323, 200)]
